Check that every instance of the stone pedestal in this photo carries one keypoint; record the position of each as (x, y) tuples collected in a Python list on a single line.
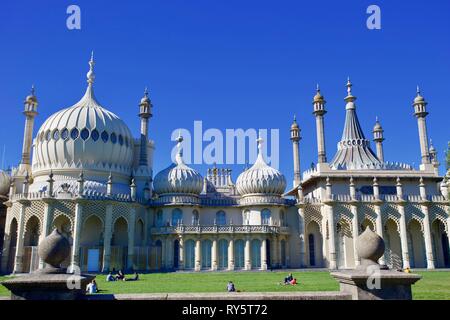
[(381, 285), (40, 286)]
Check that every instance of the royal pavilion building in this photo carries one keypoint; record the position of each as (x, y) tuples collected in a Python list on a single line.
[(87, 175)]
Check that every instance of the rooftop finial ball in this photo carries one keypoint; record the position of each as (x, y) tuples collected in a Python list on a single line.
[(54, 249)]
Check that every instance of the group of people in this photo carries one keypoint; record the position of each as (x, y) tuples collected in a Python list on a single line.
[(121, 277)]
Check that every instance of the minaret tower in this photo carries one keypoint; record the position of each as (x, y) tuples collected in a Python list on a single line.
[(295, 138), (145, 112), (378, 139), (319, 112), (420, 112), (30, 112)]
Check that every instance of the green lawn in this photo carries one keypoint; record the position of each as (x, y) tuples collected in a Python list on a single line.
[(433, 285)]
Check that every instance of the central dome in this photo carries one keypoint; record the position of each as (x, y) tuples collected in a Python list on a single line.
[(261, 178), (86, 136)]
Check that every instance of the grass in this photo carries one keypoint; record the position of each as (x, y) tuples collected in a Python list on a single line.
[(433, 285)]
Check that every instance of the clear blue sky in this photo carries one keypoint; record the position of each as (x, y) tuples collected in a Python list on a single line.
[(232, 64)]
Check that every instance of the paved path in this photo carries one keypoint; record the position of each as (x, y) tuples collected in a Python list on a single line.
[(319, 295)]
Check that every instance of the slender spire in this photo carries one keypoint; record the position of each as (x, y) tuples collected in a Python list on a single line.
[(91, 75), (354, 150), (179, 156)]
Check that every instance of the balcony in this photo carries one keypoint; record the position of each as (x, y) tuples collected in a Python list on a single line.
[(215, 229)]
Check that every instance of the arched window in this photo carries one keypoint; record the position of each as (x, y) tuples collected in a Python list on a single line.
[(120, 139), (64, 134), (48, 135), (95, 135), (56, 134), (159, 218), (265, 216), (246, 217), (239, 246), (223, 254), (256, 253), (84, 134), (195, 218), (177, 217), (105, 136), (189, 252), (282, 218), (74, 133), (312, 252), (221, 218), (206, 247), (113, 138)]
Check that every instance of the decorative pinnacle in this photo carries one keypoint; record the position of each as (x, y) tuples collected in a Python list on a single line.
[(418, 90), (91, 75), (179, 138), (33, 90), (349, 86), (260, 142)]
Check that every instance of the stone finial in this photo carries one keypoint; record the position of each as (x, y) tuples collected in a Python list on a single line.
[(53, 250), (370, 247)]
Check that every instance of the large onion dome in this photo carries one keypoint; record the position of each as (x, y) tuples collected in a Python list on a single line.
[(261, 178), (86, 136), (5, 181), (178, 178)]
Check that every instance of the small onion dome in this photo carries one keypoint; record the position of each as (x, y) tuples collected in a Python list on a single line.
[(31, 98), (261, 178), (294, 124), (5, 181), (432, 149), (419, 98), (318, 97), (178, 178), (377, 126), (145, 99)]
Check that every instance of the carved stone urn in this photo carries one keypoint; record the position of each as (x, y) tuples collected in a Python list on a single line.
[(53, 250), (369, 247)]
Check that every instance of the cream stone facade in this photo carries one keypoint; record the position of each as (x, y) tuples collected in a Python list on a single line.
[(90, 178)]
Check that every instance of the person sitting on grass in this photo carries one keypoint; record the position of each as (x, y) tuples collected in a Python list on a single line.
[(110, 277), (288, 279), (293, 282), (230, 287), (92, 287), (135, 278), (120, 276)]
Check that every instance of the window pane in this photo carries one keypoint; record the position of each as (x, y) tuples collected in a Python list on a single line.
[(105, 136), (94, 135), (84, 134), (74, 133)]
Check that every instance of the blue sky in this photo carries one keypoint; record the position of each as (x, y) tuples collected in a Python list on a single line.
[(232, 64)]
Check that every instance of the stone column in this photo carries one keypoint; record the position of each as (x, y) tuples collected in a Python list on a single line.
[(287, 253), (163, 253), (247, 256), (214, 255), (131, 230), (6, 243), (231, 254), (355, 231), (107, 239), (181, 253), (198, 255), (275, 252), (379, 228), (403, 235), (427, 236), (263, 254), (169, 252), (18, 260), (301, 231), (332, 236), (46, 226), (75, 259)]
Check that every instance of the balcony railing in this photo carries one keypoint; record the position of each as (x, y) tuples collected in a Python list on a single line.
[(180, 229)]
